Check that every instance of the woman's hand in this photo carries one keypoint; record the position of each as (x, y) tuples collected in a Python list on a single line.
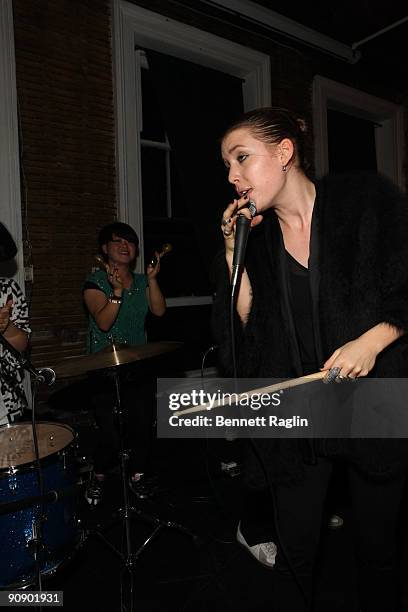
[(5, 313), (114, 278), (229, 220), (353, 360), (152, 271), (155, 298), (357, 357)]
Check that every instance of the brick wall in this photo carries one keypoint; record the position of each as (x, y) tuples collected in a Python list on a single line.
[(64, 86)]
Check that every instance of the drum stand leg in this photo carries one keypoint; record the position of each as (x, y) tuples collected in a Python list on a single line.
[(129, 557)]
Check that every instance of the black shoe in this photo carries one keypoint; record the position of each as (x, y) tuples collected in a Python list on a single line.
[(94, 490)]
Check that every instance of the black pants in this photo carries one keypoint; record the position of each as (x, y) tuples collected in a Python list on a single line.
[(300, 509), (257, 522)]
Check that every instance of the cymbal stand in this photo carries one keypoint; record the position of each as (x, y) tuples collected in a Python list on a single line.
[(129, 557)]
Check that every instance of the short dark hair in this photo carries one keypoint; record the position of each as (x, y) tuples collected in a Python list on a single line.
[(271, 125), (122, 230)]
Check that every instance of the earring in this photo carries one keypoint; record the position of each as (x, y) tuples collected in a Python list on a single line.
[(284, 168)]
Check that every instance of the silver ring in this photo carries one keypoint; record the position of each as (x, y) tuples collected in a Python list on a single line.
[(224, 222), (252, 208), (332, 374)]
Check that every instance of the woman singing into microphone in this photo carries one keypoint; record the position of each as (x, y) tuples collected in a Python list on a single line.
[(325, 285)]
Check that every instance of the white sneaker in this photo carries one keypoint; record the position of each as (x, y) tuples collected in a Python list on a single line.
[(265, 553), (335, 521)]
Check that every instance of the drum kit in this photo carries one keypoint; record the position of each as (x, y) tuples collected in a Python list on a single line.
[(21, 503)]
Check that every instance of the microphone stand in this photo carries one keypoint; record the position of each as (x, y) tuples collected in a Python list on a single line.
[(42, 375), (47, 376)]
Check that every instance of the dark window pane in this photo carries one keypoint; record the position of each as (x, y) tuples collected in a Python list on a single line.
[(179, 201), (154, 182), (192, 326), (154, 186), (351, 143), (194, 120), (181, 270), (153, 128), (195, 117)]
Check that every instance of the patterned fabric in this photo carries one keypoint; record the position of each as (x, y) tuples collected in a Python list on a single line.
[(12, 395), (129, 327)]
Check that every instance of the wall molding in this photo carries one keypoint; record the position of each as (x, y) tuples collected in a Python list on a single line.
[(10, 196), (133, 26), (388, 140), (274, 21)]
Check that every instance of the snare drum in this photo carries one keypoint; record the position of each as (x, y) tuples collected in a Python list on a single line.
[(18, 481)]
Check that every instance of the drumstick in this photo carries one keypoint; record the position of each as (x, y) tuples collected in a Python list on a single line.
[(286, 384)]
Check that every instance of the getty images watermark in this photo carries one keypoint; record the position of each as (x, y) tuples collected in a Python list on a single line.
[(269, 408), (208, 401), (190, 408)]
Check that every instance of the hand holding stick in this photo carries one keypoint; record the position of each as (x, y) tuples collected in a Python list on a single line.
[(286, 384)]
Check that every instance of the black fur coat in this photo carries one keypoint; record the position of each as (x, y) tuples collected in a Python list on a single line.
[(359, 277)]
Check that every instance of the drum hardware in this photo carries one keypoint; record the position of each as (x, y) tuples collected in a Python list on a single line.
[(51, 497), (108, 360), (42, 376), (127, 513), (111, 357), (24, 549)]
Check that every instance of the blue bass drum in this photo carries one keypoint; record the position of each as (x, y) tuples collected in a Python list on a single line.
[(18, 483)]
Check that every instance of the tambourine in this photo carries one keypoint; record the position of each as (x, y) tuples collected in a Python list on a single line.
[(166, 248)]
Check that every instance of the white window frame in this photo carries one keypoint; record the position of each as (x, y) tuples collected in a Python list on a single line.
[(132, 26), (10, 196), (160, 145), (388, 139)]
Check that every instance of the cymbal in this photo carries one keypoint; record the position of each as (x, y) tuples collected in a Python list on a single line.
[(112, 356)]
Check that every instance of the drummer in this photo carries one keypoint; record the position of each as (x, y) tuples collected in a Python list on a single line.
[(118, 300), (15, 328)]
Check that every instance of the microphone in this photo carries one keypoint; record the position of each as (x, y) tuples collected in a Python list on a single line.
[(46, 375), (43, 375), (242, 227)]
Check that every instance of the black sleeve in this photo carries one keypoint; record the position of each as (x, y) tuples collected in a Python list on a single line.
[(393, 273), (91, 285)]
